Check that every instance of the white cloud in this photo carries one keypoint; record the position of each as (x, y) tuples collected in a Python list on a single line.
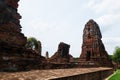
[(110, 43), (108, 19), (107, 15), (112, 40), (108, 6)]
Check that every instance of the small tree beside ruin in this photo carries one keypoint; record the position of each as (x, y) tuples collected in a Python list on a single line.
[(34, 44), (116, 55)]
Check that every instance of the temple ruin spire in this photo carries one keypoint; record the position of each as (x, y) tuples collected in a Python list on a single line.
[(93, 50)]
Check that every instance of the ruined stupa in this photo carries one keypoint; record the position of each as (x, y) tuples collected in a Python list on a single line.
[(13, 54), (93, 51), (10, 28), (62, 55)]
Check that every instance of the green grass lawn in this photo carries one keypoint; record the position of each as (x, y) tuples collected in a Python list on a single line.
[(116, 75)]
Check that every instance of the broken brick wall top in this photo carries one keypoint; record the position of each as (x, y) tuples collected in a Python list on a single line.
[(63, 49), (62, 55)]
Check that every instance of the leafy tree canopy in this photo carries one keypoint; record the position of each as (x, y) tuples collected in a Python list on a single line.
[(111, 57), (32, 43), (116, 55)]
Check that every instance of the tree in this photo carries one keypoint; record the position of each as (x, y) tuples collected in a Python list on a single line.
[(32, 43), (39, 48), (116, 55), (111, 57)]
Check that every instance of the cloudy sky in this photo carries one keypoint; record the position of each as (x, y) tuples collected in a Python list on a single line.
[(55, 21)]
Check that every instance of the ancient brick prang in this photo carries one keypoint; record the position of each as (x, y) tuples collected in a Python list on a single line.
[(62, 55), (10, 28), (13, 54), (93, 50)]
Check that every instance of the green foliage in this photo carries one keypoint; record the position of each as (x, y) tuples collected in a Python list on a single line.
[(110, 57), (32, 43), (116, 55), (76, 59), (116, 76)]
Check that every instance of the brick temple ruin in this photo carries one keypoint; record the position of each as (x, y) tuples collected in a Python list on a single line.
[(93, 50), (10, 28), (14, 56), (62, 55)]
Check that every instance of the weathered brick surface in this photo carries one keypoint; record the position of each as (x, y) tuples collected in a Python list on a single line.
[(59, 74), (97, 75), (62, 55), (13, 54), (10, 28), (93, 51)]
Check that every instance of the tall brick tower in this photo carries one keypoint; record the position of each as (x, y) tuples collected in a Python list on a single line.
[(10, 28), (93, 51), (13, 54)]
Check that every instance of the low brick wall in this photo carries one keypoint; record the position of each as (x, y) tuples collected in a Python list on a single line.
[(97, 75)]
